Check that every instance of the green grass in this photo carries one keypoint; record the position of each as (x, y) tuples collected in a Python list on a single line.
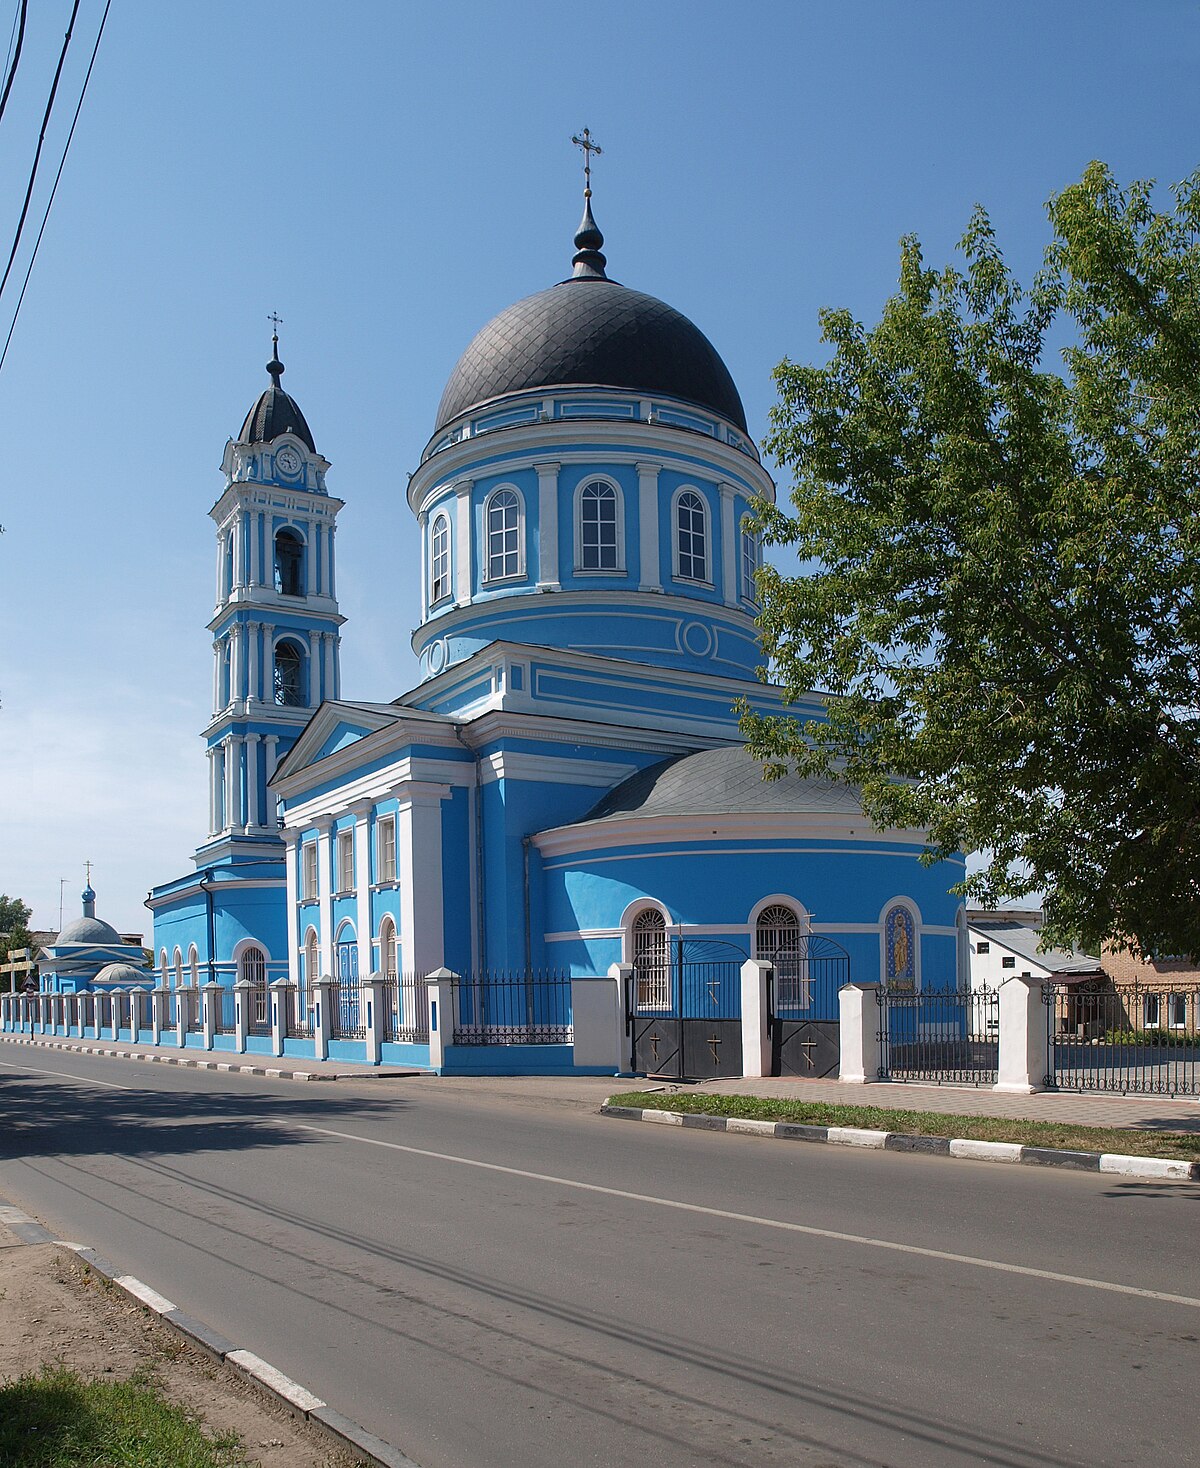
[(56, 1419), (1176, 1145)]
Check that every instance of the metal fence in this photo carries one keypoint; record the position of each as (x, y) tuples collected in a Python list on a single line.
[(1131, 1040), (406, 1009), (258, 1010), (347, 1012), (522, 1008), (300, 1020), (193, 1009), (226, 1012), (940, 1036)]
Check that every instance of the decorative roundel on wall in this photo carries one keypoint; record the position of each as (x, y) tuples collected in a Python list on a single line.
[(288, 461), (698, 639), (437, 655)]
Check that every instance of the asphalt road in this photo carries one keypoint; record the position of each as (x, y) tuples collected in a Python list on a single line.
[(498, 1283)]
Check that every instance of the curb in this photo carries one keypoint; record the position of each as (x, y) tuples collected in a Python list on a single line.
[(275, 1073), (1156, 1168), (261, 1374)]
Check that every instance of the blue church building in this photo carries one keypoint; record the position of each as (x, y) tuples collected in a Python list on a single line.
[(565, 790)]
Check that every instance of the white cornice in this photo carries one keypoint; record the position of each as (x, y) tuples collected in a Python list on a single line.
[(636, 831), (404, 730), (547, 770), (414, 781)]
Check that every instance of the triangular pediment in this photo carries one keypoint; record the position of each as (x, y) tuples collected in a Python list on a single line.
[(333, 727)]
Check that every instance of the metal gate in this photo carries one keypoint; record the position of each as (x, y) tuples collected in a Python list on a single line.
[(802, 1006), (683, 1009)]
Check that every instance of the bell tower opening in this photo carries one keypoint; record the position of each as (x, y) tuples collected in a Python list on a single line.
[(290, 578)]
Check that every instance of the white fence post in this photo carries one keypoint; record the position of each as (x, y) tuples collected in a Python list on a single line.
[(182, 1001), (281, 991), (323, 1020), (1024, 1037), (756, 1014), (442, 1017), (208, 1018), (241, 1014), (158, 1013), (862, 1019), (374, 995)]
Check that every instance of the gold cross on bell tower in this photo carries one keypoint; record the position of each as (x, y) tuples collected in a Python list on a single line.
[(584, 140)]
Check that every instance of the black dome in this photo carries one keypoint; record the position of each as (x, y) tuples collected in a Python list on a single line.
[(275, 412), (590, 330)]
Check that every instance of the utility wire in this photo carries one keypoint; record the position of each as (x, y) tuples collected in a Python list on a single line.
[(57, 176), (41, 139), (12, 70)]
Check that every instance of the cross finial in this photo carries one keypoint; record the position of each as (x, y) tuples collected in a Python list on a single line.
[(584, 140), (88, 866), (276, 322)]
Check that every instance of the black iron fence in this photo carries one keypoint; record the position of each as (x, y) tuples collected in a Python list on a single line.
[(258, 1010), (521, 1008), (301, 1019), (193, 1009), (940, 1036), (406, 1009), (226, 1003), (1134, 1039), (347, 1012)]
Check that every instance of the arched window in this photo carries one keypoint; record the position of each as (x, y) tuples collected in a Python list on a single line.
[(899, 948), (503, 519), (312, 959), (387, 948), (599, 527), (289, 563), (691, 537), (178, 965), (289, 676), (164, 969), (779, 936), (751, 560), (650, 960), (194, 967), (439, 561), (252, 966)]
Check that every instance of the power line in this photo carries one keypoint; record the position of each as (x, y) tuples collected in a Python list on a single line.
[(41, 139), (61, 163), (12, 71)]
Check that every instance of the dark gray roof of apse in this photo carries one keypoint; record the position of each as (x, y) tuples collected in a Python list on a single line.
[(591, 331), (274, 413), (725, 781)]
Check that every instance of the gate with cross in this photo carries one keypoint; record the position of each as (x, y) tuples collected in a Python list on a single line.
[(683, 1009), (802, 1006)]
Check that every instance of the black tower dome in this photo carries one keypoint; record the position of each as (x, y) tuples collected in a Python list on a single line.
[(275, 412), (589, 330)]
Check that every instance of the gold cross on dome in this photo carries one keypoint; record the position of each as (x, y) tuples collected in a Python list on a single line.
[(584, 140)]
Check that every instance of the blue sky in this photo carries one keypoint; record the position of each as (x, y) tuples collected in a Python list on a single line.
[(387, 177)]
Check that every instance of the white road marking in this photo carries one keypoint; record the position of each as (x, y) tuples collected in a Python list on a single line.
[(66, 1075), (777, 1223)]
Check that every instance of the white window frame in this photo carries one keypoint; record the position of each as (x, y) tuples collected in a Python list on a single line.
[(677, 537), (751, 563), (491, 578), (618, 501), (194, 965), (309, 871), (344, 853), (1151, 1004), (1177, 1010), (441, 570), (385, 849)]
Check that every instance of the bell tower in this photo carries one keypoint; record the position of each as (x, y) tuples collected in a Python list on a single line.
[(276, 625)]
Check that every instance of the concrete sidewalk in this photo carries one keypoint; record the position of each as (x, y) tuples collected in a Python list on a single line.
[(1092, 1108)]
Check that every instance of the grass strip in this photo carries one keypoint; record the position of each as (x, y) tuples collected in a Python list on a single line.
[(56, 1419), (1183, 1146)]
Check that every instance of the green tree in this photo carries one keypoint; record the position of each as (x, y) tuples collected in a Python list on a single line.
[(14, 929), (1000, 590)]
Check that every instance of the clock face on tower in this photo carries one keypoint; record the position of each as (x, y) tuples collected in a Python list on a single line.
[(287, 461)]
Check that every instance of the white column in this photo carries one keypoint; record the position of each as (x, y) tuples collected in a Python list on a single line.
[(547, 526), (419, 851), (255, 538), (650, 577), (325, 894), (252, 781), (212, 791), (312, 579), (315, 691), (254, 689), (220, 568), (217, 651), (239, 551), (463, 540), (330, 681), (268, 636), (237, 660), (423, 545), (291, 841), (362, 882), (729, 546), (231, 797), (330, 569)]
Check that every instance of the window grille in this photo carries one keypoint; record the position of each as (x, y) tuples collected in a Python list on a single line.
[(289, 676), (503, 535), (598, 527), (650, 960), (778, 936), (691, 527)]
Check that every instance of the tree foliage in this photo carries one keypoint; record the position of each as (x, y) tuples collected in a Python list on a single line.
[(1004, 536)]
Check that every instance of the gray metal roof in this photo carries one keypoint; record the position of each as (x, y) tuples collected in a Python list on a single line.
[(274, 413), (725, 781), (88, 930), (1023, 941), (591, 331)]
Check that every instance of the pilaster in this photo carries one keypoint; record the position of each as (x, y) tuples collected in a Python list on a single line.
[(729, 547), (419, 855), (463, 550), (547, 526), (649, 573), (325, 894)]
